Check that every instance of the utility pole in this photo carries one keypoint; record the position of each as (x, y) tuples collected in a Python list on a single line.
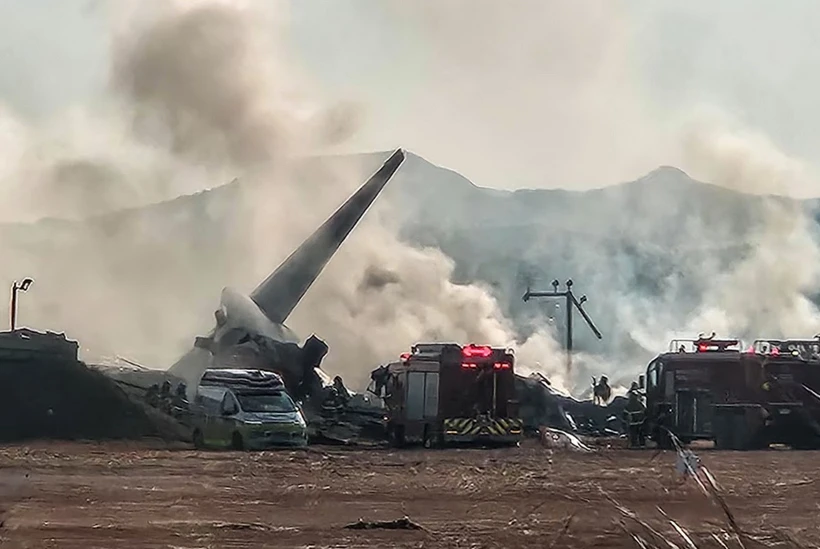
[(571, 302), (22, 287)]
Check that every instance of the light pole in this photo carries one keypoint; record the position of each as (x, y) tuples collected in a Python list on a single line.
[(23, 286)]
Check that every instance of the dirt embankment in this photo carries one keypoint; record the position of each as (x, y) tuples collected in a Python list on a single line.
[(64, 399)]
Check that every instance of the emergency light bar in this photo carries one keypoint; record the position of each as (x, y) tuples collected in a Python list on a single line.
[(472, 350), (472, 356), (704, 345), (795, 347)]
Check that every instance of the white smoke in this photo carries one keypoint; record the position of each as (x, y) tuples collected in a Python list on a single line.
[(201, 95), (767, 292)]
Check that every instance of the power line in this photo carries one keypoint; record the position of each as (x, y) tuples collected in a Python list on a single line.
[(571, 302)]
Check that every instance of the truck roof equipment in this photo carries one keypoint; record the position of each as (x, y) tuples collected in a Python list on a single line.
[(704, 345), (256, 379), (805, 349)]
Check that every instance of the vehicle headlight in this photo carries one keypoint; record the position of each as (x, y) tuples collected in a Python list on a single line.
[(253, 423)]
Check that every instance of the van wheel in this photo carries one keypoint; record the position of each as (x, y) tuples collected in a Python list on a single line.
[(199, 441), (237, 443)]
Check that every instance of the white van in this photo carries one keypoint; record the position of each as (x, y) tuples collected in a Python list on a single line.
[(246, 409)]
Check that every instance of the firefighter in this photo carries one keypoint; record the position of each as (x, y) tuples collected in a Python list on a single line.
[(152, 395), (634, 413), (333, 403), (165, 397), (379, 376), (180, 401), (341, 391), (601, 391)]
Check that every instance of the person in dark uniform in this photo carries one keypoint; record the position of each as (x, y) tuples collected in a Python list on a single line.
[(634, 414), (180, 400), (165, 397), (601, 391), (152, 395)]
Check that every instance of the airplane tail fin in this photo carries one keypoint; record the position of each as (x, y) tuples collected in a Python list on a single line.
[(278, 295)]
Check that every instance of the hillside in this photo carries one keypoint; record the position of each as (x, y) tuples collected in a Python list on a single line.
[(642, 249)]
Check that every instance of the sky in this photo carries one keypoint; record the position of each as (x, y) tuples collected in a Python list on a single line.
[(525, 93)]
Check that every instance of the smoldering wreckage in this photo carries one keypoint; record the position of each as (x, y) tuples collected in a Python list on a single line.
[(249, 383), (250, 335)]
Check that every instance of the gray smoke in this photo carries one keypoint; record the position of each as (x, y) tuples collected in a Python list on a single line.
[(201, 93), (199, 96)]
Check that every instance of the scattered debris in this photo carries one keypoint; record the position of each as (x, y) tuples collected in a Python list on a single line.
[(542, 404), (241, 526), (687, 463), (398, 524), (558, 439)]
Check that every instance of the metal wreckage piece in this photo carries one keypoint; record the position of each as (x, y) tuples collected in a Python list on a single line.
[(541, 405), (250, 330)]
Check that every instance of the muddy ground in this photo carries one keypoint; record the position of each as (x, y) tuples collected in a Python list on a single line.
[(139, 495)]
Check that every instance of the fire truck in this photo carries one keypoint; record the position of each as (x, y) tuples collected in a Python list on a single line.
[(683, 385), (785, 408), (442, 393), (711, 389)]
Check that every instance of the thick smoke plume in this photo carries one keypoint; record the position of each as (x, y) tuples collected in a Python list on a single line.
[(198, 97), (768, 291), (201, 93)]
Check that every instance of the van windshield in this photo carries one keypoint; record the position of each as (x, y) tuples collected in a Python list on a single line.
[(266, 402)]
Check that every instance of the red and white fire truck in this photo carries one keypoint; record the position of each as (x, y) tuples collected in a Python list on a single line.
[(442, 393)]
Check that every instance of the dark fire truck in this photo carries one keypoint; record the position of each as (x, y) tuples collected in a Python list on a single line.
[(683, 385), (442, 393), (710, 389), (785, 408)]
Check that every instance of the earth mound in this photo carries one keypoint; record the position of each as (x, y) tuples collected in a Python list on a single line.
[(49, 393)]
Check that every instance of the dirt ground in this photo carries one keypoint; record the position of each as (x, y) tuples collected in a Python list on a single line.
[(139, 495)]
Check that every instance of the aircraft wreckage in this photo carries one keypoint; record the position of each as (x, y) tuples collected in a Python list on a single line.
[(250, 331)]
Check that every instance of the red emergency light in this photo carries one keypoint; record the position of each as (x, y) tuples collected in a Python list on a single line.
[(469, 366), (716, 345), (405, 357), (482, 351), (501, 366)]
